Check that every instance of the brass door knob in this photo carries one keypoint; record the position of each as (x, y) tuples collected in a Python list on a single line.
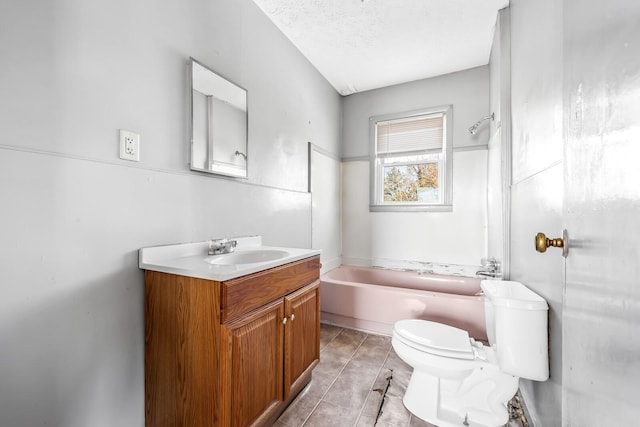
[(542, 243)]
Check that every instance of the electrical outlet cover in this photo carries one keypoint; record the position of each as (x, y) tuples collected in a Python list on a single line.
[(129, 145)]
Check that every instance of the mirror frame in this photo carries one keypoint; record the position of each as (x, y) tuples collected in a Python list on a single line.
[(210, 166)]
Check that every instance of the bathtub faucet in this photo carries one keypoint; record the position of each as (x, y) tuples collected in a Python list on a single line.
[(490, 268)]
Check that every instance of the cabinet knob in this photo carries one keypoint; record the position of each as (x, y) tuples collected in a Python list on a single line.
[(292, 317)]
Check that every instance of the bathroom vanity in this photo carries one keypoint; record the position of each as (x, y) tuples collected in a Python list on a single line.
[(228, 344)]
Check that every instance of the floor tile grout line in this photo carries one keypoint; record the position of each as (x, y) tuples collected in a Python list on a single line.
[(408, 424), (374, 380), (367, 398), (336, 378), (333, 338), (371, 390), (350, 359)]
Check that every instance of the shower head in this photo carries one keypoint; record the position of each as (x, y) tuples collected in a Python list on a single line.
[(473, 129)]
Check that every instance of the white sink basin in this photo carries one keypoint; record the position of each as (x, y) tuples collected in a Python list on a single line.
[(191, 259), (247, 257)]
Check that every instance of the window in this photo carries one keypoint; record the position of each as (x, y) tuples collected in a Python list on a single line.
[(411, 156)]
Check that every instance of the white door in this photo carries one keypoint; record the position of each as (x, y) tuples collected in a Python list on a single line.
[(601, 316)]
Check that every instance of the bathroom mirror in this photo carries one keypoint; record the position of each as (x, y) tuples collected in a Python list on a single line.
[(218, 123)]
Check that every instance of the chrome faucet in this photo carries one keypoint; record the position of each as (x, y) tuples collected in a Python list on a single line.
[(221, 246), (490, 268)]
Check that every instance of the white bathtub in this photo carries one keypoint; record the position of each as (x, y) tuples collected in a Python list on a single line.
[(373, 299)]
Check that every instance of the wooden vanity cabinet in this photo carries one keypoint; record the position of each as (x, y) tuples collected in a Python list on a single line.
[(301, 336), (252, 356), (231, 353)]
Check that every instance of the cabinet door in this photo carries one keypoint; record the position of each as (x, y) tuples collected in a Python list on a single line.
[(302, 334), (252, 363)]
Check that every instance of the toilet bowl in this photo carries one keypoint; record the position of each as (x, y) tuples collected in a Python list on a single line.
[(457, 381)]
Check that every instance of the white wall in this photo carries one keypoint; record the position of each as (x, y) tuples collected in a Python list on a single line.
[(326, 204), (384, 238), (467, 91), (74, 215), (499, 150), (457, 237)]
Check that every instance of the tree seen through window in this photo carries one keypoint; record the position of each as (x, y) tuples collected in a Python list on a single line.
[(411, 183)]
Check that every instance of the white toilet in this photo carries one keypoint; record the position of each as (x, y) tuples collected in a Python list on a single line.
[(457, 381)]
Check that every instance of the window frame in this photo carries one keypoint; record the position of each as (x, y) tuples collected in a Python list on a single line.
[(376, 168)]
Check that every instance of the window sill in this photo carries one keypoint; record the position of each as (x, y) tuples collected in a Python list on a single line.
[(410, 208)]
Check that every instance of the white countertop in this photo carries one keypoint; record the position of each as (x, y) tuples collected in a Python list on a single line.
[(190, 259)]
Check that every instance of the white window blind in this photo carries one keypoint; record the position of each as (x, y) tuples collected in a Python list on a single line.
[(417, 133)]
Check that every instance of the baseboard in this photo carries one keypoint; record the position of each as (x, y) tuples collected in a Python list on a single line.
[(531, 418)]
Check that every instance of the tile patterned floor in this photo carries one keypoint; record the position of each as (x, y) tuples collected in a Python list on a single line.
[(348, 384)]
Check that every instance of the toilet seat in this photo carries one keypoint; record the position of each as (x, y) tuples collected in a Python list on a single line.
[(435, 338)]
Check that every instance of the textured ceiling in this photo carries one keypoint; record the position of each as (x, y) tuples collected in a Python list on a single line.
[(359, 45)]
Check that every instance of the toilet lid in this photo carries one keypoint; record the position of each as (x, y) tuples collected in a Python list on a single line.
[(436, 338)]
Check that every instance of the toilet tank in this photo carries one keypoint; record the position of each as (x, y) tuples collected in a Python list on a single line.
[(516, 320)]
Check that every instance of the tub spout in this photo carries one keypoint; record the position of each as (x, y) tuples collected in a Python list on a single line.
[(493, 274), (491, 268)]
